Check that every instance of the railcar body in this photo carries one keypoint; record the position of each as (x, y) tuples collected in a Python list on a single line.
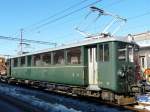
[(95, 64)]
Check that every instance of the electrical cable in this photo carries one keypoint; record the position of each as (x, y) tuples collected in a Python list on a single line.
[(58, 13), (26, 40), (66, 15), (138, 16)]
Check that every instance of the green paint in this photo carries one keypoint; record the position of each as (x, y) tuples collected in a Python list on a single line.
[(59, 74), (77, 75)]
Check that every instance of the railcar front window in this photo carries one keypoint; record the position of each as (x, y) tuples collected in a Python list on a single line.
[(73, 56), (122, 52), (46, 59), (59, 57), (22, 61)]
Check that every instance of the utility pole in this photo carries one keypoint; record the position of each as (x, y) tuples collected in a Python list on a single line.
[(21, 42)]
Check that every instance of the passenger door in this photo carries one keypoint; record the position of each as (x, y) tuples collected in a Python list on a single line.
[(92, 69)]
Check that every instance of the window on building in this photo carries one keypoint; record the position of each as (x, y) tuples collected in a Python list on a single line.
[(15, 62), (142, 58), (143, 62), (22, 61), (59, 57), (37, 60), (104, 52), (46, 59), (122, 49), (29, 58), (73, 55)]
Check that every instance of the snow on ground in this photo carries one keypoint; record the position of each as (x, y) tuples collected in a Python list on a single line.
[(55, 103)]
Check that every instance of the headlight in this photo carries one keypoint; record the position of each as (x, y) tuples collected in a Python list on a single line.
[(121, 73)]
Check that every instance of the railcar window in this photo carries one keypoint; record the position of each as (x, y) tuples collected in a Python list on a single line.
[(59, 57), (15, 62), (37, 60), (122, 49), (29, 58), (73, 55), (101, 52), (22, 61), (46, 59), (90, 54), (104, 52)]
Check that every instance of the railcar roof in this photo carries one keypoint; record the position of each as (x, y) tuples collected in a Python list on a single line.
[(87, 41)]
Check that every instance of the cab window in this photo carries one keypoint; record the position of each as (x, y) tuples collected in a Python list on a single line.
[(104, 52), (122, 51)]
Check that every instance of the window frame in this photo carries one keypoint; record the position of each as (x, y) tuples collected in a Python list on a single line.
[(29, 64), (50, 59), (17, 63), (125, 49), (63, 57), (24, 59), (101, 49), (79, 59), (34, 61)]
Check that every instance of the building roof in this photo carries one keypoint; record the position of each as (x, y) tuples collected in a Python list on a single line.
[(142, 36), (142, 39)]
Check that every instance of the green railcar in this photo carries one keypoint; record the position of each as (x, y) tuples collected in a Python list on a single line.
[(96, 64)]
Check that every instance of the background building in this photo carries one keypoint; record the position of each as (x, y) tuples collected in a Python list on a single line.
[(143, 40)]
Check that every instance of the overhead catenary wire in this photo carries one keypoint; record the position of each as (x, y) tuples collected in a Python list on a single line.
[(77, 4), (54, 20), (118, 1), (61, 12), (138, 16), (65, 15), (58, 13), (50, 17), (114, 3), (27, 40)]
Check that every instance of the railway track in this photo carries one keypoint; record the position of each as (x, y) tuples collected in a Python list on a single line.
[(51, 102)]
